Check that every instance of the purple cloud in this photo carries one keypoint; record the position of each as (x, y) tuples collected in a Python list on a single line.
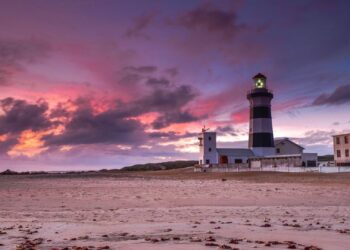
[(340, 95)]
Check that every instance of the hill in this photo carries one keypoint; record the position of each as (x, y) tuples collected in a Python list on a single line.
[(326, 158), (160, 166), (8, 172)]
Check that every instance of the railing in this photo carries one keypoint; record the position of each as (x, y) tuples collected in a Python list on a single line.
[(245, 168), (263, 90)]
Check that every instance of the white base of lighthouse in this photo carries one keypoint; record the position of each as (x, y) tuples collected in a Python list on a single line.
[(264, 151)]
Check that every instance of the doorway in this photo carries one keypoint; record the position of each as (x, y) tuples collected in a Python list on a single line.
[(223, 159)]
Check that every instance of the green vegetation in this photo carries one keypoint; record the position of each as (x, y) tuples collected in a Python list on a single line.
[(8, 172), (326, 158), (160, 166)]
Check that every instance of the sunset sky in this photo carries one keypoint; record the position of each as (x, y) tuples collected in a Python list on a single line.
[(105, 84)]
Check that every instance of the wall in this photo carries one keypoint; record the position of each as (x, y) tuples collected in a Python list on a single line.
[(343, 160), (231, 159), (310, 159), (286, 148), (275, 169), (208, 148), (282, 162)]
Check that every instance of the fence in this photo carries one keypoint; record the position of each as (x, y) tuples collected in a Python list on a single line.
[(246, 168)]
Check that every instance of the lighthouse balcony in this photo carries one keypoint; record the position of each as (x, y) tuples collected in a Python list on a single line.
[(263, 92)]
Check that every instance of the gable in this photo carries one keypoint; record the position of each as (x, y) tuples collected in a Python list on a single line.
[(284, 141)]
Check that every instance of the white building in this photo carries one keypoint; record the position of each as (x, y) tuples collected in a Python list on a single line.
[(207, 148), (210, 154), (341, 147), (285, 146)]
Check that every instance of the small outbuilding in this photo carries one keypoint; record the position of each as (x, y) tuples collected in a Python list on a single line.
[(286, 146)]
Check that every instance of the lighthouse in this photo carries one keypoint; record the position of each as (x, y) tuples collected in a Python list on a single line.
[(261, 140)]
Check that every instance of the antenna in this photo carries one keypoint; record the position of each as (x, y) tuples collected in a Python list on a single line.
[(204, 129)]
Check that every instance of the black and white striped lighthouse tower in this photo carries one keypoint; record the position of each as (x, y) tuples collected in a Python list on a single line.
[(260, 128)]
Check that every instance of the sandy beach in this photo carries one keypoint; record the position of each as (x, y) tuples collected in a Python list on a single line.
[(175, 209)]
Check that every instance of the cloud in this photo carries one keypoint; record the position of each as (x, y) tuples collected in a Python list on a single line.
[(158, 81), (141, 69), (174, 117), (19, 115), (167, 99), (226, 130), (130, 76), (210, 19), (117, 124), (140, 25), (340, 95), (169, 102), (7, 144), (316, 137), (85, 127), (172, 71), (14, 54), (171, 135)]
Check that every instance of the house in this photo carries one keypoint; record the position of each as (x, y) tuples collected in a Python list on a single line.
[(341, 146), (286, 146)]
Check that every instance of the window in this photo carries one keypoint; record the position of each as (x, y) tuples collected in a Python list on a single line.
[(346, 140), (346, 152), (207, 161), (338, 154), (209, 149), (238, 161), (209, 138), (278, 150), (338, 140), (311, 163)]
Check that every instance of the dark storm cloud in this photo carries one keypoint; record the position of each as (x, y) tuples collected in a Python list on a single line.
[(141, 69), (173, 118), (172, 71), (166, 99), (132, 75), (130, 79), (18, 115), (158, 81), (211, 19), (116, 126), (171, 135), (15, 53), (106, 127), (226, 130), (168, 102), (339, 96), (59, 111), (7, 144), (140, 25), (161, 100), (308, 39)]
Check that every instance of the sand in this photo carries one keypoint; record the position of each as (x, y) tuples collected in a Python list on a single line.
[(175, 210)]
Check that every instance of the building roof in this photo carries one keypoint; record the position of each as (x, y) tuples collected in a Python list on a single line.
[(341, 134), (259, 75), (284, 139), (240, 152)]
